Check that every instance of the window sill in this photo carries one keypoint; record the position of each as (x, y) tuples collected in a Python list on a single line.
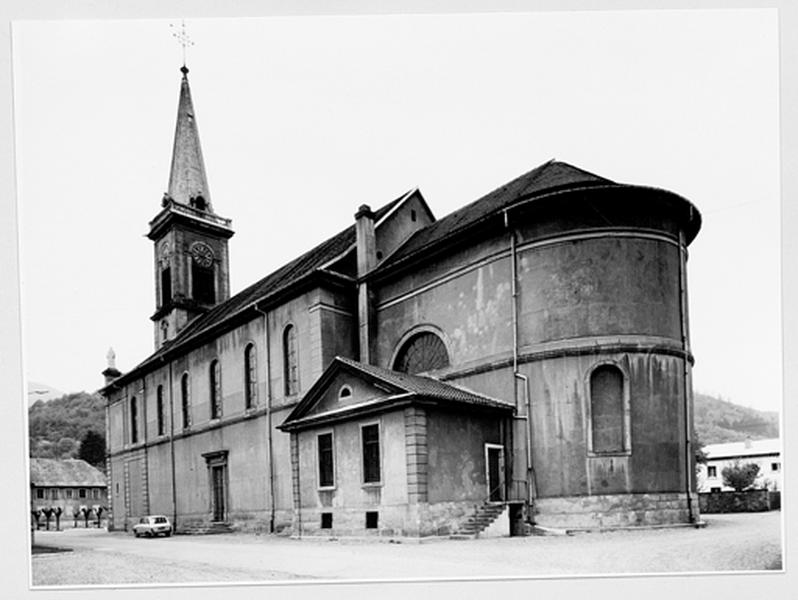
[(372, 484), (617, 454), (327, 488)]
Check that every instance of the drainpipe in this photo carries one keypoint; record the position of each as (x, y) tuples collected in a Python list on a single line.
[(685, 374), (530, 475), (172, 445), (269, 417)]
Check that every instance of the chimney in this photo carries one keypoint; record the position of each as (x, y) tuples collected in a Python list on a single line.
[(366, 260), (111, 371), (365, 239)]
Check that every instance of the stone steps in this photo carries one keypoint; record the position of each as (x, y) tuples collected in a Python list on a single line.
[(477, 523)]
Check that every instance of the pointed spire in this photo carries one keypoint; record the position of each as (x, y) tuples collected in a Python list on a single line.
[(187, 180)]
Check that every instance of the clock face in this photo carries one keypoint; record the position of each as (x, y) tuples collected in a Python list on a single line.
[(202, 254)]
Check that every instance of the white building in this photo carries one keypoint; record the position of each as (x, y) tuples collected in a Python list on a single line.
[(765, 453)]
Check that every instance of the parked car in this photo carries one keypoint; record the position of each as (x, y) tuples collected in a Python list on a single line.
[(153, 525)]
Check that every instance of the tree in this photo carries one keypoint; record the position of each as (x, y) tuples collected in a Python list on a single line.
[(92, 449), (740, 476)]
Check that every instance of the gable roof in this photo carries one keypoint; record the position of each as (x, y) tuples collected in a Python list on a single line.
[(399, 388), (743, 449), (46, 472), (272, 286)]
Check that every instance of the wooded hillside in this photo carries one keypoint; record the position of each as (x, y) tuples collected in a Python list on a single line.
[(718, 421), (56, 427)]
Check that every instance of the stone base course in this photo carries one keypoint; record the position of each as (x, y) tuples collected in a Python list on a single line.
[(614, 511)]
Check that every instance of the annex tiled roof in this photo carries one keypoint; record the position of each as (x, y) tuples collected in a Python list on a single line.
[(46, 472), (422, 385), (399, 387), (270, 286), (550, 176), (741, 449)]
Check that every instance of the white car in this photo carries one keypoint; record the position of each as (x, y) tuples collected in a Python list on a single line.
[(153, 525)]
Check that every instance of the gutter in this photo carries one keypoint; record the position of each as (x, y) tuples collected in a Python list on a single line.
[(688, 446), (269, 418), (530, 470)]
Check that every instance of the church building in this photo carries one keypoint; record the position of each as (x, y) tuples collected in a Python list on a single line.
[(523, 360)]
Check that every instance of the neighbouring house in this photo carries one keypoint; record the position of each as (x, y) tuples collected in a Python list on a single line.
[(70, 485), (526, 355), (764, 453)]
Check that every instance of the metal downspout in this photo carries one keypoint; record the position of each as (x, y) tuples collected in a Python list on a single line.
[(685, 375), (269, 418), (172, 446), (516, 374)]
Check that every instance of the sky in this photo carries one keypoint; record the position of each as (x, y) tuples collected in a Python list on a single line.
[(302, 119)]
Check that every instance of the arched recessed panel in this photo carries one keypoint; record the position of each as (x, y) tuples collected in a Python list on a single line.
[(607, 409)]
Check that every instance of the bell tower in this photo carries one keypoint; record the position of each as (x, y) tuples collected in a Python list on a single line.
[(191, 258)]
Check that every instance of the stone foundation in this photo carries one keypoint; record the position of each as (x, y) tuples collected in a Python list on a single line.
[(614, 511), (404, 520)]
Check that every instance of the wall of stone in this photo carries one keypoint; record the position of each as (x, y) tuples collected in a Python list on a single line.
[(613, 511)]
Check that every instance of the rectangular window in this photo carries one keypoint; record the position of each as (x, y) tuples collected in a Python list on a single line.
[(370, 435), (775, 466), (40, 494), (712, 471), (95, 493), (54, 494), (326, 520), (82, 493), (714, 490), (326, 460), (69, 493), (371, 519), (166, 286), (202, 284)]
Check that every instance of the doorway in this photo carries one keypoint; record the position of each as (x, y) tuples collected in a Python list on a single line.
[(218, 492), (494, 472)]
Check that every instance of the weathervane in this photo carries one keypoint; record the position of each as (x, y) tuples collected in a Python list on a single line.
[(182, 37)]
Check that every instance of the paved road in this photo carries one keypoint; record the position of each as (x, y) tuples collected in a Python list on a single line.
[(740, 542)]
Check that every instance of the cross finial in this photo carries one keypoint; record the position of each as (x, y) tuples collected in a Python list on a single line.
[(182, 37)]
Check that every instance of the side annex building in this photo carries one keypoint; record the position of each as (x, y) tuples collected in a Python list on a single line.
[(526, 354)]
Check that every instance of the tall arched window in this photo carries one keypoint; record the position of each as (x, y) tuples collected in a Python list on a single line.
[(185, 401), (216, 390), (250, 376), (134, 421), (423, 352), (159, 410), (607, 410), (290, 371)]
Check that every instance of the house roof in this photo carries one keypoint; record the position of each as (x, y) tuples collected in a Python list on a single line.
[(553, 176), (46, 472), (273, 285), (399, 387), (743, 449)]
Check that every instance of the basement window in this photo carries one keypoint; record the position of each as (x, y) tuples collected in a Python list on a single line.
[(372, 518), (326, 520)]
